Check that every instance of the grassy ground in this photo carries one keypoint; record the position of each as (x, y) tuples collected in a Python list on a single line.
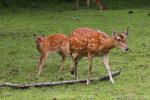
[(18, 57)]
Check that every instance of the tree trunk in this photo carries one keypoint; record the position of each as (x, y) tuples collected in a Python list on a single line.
[(77, 4), (24, 86)]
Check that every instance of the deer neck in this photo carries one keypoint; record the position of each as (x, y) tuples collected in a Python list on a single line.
[(108, 44)]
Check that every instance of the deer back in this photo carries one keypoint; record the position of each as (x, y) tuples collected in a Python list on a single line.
[(87, 40)]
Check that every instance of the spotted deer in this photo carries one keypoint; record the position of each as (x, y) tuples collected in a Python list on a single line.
[(56, 43), (88, 42)]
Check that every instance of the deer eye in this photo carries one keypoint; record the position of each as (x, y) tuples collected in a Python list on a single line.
[(121, 36), (118, 39)]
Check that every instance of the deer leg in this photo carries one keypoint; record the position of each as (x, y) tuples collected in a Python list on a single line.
[(73, 56), (106, 63), (72, 66), (88, 3), (75, 67), (90, 68), (62, 64), (42, 60), (100, 4), (75, 72)]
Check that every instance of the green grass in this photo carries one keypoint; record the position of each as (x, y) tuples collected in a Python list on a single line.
[(18, 53)]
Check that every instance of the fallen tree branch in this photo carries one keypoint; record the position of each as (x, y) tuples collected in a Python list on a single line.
[(24, 86)]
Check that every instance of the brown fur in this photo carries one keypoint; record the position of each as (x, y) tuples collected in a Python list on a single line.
[(57, 43), (90, 42)]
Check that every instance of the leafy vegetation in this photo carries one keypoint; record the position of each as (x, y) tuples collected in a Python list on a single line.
[(19, 57)]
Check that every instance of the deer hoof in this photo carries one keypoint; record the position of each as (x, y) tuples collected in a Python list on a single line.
[(72, 72), (112, 81), (38, 74)]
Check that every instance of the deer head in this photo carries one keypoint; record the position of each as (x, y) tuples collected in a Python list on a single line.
[(39, 38), (120, 40)]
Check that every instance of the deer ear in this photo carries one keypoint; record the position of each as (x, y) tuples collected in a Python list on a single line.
[(126, 32), (34, 34), (114, 34)]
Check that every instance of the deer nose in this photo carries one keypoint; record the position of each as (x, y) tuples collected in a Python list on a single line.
[(126, 49)]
